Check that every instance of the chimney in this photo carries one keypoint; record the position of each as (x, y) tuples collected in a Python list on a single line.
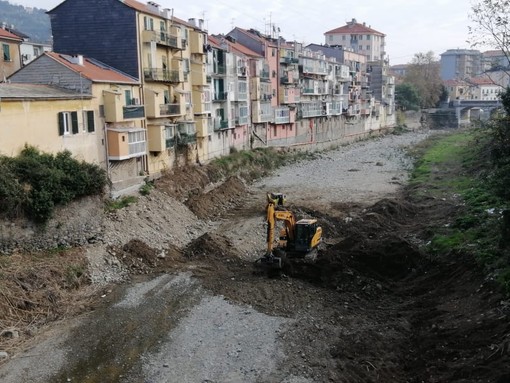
[(201, 24), (193, 22), (77, 59)]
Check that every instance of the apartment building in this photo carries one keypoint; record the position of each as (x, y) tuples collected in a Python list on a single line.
[(10, 61), (460, 64), (360, 38), (272, 122), (167, 56), (484, 89)]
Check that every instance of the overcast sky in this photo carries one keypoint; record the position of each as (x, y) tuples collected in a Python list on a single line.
[(410, 26)]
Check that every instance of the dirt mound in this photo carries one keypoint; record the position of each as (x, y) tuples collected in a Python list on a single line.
[(140, 258), (211, 246), (218, 200), (182, 183)]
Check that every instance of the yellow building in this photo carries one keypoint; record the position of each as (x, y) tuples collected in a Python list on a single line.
[(78, 104), (10, 61)]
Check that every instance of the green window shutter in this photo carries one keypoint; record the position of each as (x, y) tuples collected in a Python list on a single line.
[(74, 122), (7, 52), (90, 121), (61, 124)]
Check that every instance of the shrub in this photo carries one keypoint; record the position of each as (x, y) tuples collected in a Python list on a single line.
[(34, 183)]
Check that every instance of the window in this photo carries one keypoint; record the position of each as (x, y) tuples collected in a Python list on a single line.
[(67, 123), (368, 47), (185, 65), (127, 96), (330, 37), (7, 52), (273, 52), (344, 37), (88, 121), (367, 37), (148, 23)]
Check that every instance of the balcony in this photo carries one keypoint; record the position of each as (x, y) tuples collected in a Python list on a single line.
[(282, 115), (165, 75), (187, 133), (220, 96), (170, 110), (162, 38), (219, 69), (265, 75), (220, 124), (133, 112), (289, 60), (115, 109), (124, 144), (241, 120)]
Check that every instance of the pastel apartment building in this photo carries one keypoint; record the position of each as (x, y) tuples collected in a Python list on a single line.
[(360, 38)]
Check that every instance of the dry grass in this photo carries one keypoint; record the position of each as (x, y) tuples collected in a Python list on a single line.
[(36, 289)]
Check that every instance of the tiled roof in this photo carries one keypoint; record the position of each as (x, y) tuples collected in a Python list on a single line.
[(141, 7), (13, 91), (215, 41), (8, 35), (455, 83), (94, 70), (482, 81), (494, 53), (355, 28), (261, 38)]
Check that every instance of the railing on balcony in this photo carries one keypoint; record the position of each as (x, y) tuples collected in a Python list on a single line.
[(165, 38), (187, 138), (170, 142), (133, 111), (242, 96), (219, 69), (264, 75), (169, 109), (137, 148), (241, 120), (220, 96), (220, 124), (162, 75), (289, 60), (281, 116)]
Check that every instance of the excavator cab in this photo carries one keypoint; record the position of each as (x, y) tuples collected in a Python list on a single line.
[(308, 235)]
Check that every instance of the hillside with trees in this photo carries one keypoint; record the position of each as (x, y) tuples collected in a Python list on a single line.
[(33, 22)]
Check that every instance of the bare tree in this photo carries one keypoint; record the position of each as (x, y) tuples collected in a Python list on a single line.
[(424, 74), (491, 26)]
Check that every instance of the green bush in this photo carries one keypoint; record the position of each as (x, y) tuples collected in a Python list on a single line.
[(33, 183)]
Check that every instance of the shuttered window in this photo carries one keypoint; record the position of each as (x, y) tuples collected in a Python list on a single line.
[(67, 123), (88, 121)]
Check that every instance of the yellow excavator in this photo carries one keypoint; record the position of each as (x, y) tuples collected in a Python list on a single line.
[(298, 239)]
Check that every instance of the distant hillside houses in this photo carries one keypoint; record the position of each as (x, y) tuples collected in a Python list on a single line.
[(160, 92)]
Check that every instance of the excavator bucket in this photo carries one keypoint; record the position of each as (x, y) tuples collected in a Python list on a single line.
[(269, 262)]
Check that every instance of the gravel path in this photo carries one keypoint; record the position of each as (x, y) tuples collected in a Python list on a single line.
[(170, 329), (362, 172)]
